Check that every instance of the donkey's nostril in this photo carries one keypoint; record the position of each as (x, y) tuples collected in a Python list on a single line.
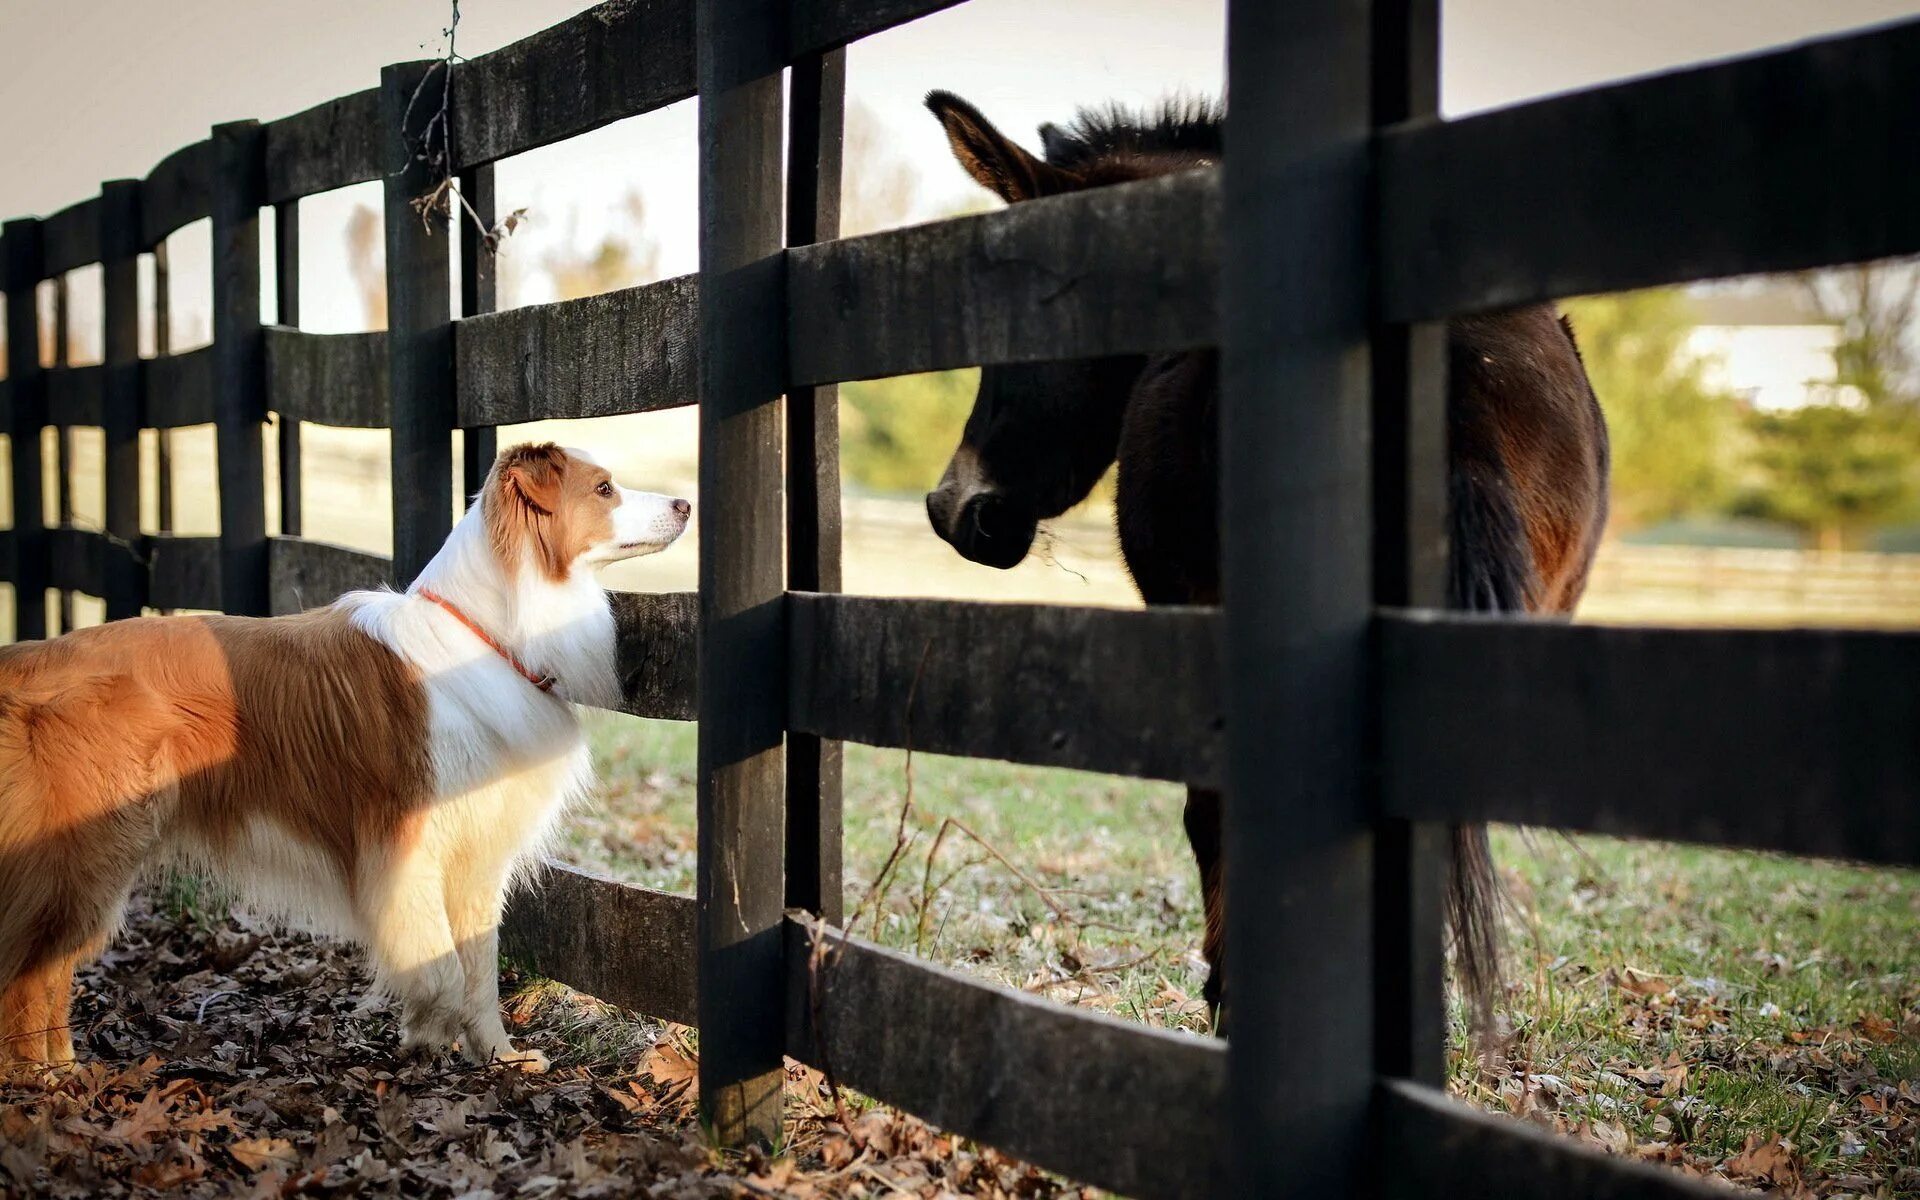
[(682, 507)]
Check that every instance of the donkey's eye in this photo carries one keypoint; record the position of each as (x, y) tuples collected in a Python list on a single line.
[(605, 489)]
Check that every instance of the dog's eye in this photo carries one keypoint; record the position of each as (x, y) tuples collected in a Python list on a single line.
[(605, 489)]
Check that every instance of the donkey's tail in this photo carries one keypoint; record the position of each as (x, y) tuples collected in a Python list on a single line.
[(1493, 571), (1474, 899)]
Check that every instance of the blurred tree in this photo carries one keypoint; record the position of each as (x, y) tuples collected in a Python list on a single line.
[(1834, 470), (1876, 306), (1671, 431), (625, 255)]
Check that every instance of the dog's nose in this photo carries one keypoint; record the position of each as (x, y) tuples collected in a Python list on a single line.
[(682, 507)]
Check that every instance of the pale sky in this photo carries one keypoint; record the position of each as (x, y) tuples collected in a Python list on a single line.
[(109, 87)]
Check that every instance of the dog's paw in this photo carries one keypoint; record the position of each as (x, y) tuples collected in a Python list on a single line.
[(533, 1062)]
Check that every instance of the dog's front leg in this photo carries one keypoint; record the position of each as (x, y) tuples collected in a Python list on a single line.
[(475, 917), (413, 952)]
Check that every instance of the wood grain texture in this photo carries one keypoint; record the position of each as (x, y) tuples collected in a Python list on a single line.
[(331, 145), (335, 379), (1806, 157), (617, 59), (658, 648), (239, 367), (183, 572), (177, 389), (306, 574), (1113, 1103), (1108, 271), (177, 192), (1125, 692), (70, 238), (626, 945), (1433, 1145), (126, 579), (1800, 741), (633, 350), (20, 275), (77, 560), (817, 26), (419, 338)]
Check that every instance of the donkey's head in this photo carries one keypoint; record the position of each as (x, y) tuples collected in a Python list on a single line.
[(1041, 434)]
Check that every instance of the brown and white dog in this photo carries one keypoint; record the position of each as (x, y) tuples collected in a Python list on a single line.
[(383, 768)]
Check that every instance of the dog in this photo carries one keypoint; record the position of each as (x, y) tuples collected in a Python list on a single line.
[(385, 768)]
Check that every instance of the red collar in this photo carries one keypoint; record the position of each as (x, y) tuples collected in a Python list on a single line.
[(543, 682)]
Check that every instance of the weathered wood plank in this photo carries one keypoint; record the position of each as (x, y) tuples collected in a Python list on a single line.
[(742, 688), (1109, 271), (177, 389), (71, 237), (618, 59), (633, 350), (817, 85), (1130, 693), (74, 395), (77, 560), (627, 945), (20, 275), (6, 556), (1806, 157), (1296, 557), (331, 145), (479, 280), (183, 572), (126, 579), (1432, 1145), (1118, 1105), (328, 378), (419, 338), (239, 367), (1800, 741), (659, 652), (817, 26), (306, 574), (177, 192)]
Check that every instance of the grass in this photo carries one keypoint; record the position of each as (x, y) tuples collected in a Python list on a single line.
[(1679, 1003)]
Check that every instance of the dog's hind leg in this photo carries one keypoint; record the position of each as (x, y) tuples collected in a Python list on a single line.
[(414, 957)]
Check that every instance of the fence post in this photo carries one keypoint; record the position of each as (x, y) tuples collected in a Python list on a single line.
[(120, 392), (239, 365), (479, 443), (62, 439), (1409, 571), (742, 674), (28, 384), (419, 328), (818, 87), (162, 344), (286, 288), (1295, 505)]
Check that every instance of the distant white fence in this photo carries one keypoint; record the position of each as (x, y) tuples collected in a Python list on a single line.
[(1732, 585)]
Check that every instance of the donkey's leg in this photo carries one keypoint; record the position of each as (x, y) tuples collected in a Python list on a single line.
[(413, 950), (1203, 833)]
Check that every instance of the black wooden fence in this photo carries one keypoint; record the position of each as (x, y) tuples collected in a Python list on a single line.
[(1348, 718)]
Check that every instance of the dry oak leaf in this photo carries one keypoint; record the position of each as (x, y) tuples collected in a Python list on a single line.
[(1771, 1160), (255, 1153)]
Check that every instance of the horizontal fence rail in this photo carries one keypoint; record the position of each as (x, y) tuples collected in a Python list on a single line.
[(1802, 158), (1801, 741), (1114, 690), (1119, 1105), (627, 945), (335, 379)]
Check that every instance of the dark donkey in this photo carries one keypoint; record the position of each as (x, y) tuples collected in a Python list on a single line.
[(1528, 461)]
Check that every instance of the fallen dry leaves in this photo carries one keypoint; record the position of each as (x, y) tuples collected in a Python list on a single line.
[(241, 1061)]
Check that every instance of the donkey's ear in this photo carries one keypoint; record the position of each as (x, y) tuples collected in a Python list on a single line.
[(995, 161), (531, 475)]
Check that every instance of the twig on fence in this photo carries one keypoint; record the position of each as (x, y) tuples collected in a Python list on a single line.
[(435, 149), (876, 891)]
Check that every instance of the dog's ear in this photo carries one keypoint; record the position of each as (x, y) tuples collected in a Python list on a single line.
[(532, 475), (996, 162)]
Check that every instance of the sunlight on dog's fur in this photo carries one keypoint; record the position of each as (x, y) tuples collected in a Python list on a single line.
[(382, 768)]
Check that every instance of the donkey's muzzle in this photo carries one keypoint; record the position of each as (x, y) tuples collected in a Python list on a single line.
[(985, 527)]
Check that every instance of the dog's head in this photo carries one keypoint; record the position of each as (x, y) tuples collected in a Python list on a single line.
[(560, 509)]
